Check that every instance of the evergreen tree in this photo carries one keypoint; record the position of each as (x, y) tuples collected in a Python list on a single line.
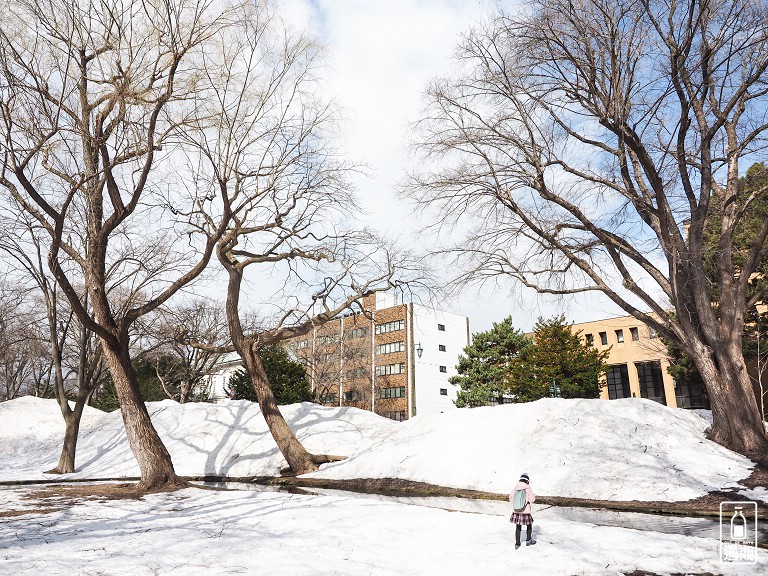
[(287, 377), (558, 363), (149, 384), (485, 367)]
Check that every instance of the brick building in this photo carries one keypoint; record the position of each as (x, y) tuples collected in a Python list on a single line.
[(394, 359)]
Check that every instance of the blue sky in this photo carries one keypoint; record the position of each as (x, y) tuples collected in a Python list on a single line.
[(380, 55)]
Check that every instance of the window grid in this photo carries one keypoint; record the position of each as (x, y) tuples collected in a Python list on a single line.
[(393, 326), (357, 333), (443, 369), (390, 347), (394, 392), (617, 378), (388, 369)]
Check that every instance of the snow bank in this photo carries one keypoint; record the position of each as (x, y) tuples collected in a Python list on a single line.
[(614, 450), (629, 449), (229, 439)]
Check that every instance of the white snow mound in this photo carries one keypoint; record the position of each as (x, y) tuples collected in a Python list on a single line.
[(629, 449), (610, 450)]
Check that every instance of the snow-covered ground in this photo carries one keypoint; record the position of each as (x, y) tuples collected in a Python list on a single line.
[(622, 450)]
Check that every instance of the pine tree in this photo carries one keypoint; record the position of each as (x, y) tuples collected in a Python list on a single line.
[(558, 363), (287, 377), (485, 367)]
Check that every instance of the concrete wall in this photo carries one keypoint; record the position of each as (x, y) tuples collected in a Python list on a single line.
[(430, 381), (647, 348)]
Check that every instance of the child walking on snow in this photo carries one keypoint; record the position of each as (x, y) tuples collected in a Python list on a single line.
[(522, 510)]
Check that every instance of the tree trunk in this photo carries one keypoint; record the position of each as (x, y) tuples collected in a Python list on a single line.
[(736, 421), (66, 463), (151, 454), (299, 460)]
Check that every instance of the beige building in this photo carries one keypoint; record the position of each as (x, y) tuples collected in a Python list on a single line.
[(637, 363)]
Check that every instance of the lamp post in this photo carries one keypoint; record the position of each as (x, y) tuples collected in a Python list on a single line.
[(412, 408)]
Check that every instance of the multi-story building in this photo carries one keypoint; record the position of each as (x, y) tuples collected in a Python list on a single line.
[(392, 358), (637, 363)]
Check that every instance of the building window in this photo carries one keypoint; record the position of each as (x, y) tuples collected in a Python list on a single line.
[(387, 369), (604, 338), (395, 392), (301, 344), (358, 373), (620, 336), (352, 396), (617, 378), (443, 391), (688, 395), (399, 416), (652, 333), (390, 347), (329, 398), (651, 381), (390, 326), (441, 347), (590, 338), (324, 358), (357, 333), (443, 369), (441, 327), (634, 334), (327, 339)]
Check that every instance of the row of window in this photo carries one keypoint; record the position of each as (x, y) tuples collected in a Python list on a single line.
[(393, 326), (388, 369), (649, 377), (362, 332), (390, 347), (396, 392), (355, 333), (383, 394), (634, 333)]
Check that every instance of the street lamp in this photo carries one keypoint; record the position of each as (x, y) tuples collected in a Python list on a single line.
[(419, 349)]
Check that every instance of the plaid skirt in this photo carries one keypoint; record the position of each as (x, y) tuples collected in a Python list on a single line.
[(521, 518)]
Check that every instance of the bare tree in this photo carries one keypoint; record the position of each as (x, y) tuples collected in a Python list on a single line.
[(594, 140), (181, 367), (289, 199), (21, 353), (93, 97), (73, 366)]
